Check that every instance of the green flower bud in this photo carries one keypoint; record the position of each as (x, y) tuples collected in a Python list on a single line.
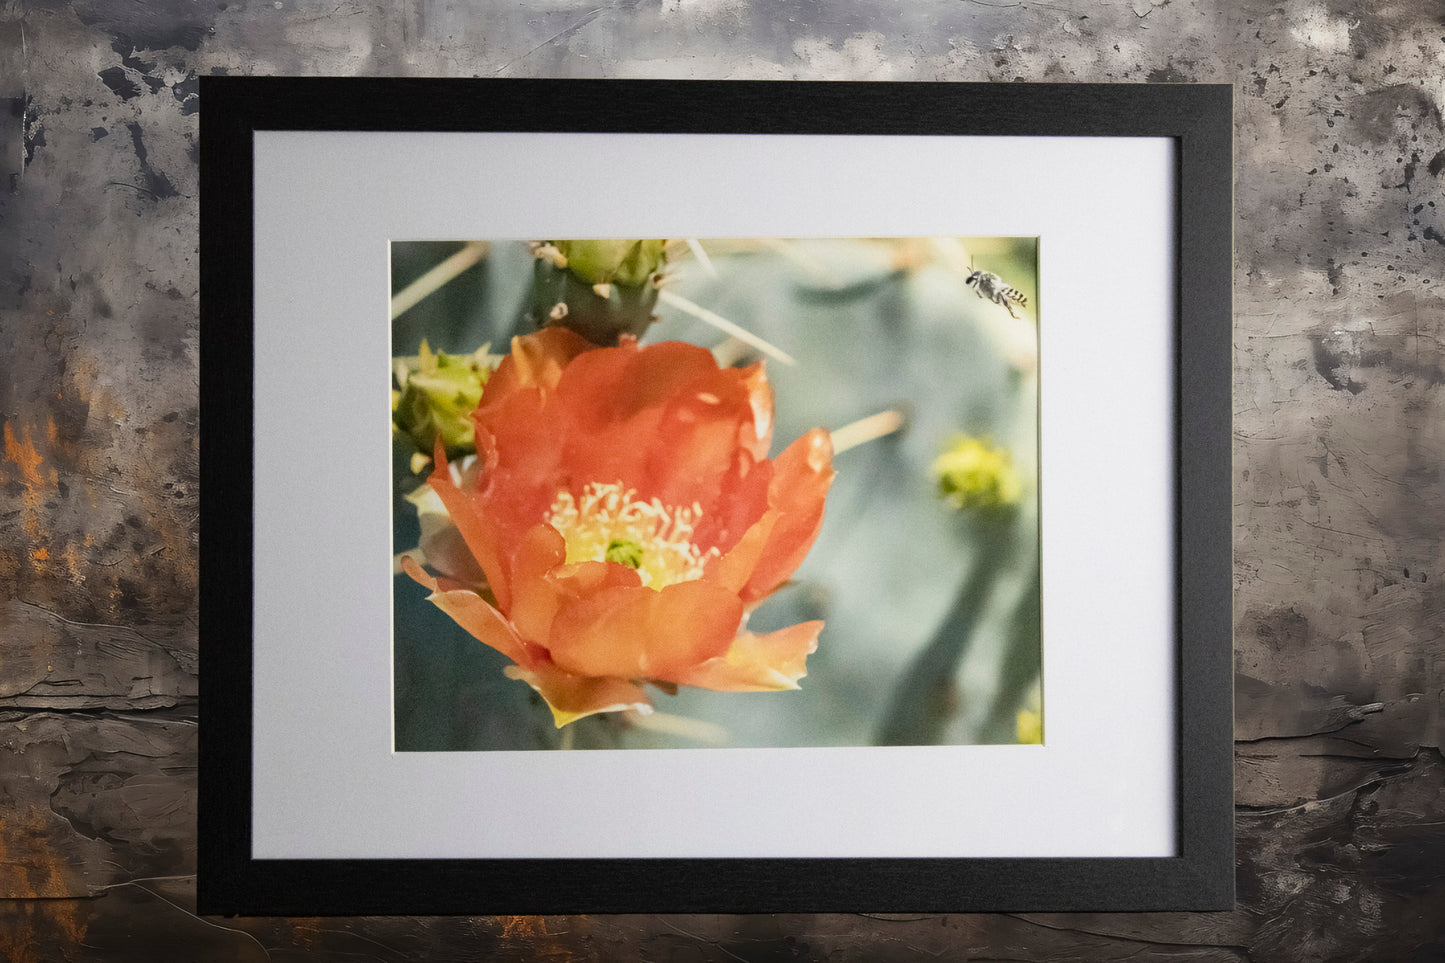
[(602, 289), (972, 474), (619, 261), (437, 394)]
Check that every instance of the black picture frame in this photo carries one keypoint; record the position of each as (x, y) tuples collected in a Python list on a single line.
[(1201, 877)]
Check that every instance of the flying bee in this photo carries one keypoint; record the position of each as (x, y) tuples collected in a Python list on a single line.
[(991, 287)]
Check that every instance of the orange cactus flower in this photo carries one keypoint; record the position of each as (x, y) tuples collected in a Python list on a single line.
[(627, 518)]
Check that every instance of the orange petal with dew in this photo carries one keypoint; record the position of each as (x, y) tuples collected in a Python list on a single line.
[(741, 501), (608, 386), (701, 436), (626, 408), (759, 663)]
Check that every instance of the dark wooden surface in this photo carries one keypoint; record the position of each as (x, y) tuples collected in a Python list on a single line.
[(1339, 437)]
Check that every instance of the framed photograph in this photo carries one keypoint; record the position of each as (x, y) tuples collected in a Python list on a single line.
[(635, 496)]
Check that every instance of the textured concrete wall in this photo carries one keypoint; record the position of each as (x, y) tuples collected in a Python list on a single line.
[(1340, 312)]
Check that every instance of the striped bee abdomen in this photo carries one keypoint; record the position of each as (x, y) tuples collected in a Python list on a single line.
[(991, 287)]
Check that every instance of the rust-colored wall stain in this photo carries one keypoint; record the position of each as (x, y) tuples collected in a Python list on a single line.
[(34, 925), (20, 451), (33, 870), (37, 485), (23, 454), (107, 485)]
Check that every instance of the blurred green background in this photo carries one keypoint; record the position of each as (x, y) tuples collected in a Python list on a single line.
[(932, 629)]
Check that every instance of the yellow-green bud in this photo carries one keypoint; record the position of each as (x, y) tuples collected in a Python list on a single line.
[(437, 394), (618, 261), (972, 474)]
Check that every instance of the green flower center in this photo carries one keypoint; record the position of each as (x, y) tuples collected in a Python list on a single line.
[(609, 523), (624, 551)]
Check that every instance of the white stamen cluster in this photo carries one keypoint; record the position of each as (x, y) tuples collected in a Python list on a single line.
[(607, 514)]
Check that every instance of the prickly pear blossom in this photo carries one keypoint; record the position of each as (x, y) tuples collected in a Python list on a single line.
[(626, 517)]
